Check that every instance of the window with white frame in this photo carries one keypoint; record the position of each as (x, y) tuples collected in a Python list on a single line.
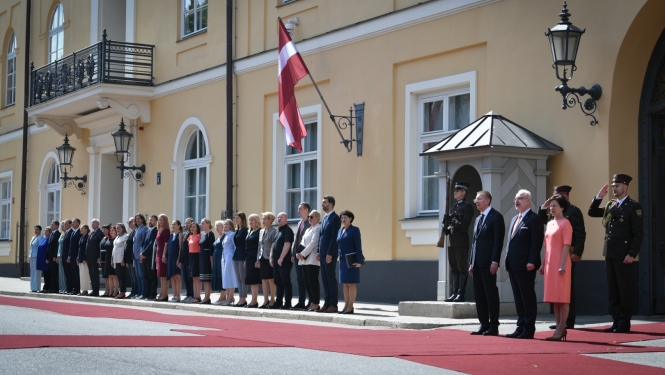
[(5, 207), (53, 193), (10, 90), (194, 16), (196, 174), (56, 34), (301, 172), (438, 114)]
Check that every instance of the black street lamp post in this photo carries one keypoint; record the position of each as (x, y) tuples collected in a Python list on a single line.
[(564, 41), (122, 139), (66, 154)]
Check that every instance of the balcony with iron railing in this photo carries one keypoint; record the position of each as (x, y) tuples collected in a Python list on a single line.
[(104, 62)]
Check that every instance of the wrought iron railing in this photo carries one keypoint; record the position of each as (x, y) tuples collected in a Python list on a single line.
[(105, 62)]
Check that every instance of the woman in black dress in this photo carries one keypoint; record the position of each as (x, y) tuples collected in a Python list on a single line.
[(206, 245), (239, 256), (252, 273), (106, 255)]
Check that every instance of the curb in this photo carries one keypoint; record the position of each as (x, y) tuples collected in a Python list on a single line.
[(357, 320)]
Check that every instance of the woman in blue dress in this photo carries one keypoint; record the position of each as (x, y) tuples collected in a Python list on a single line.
[(348, 242), (229, 277), (217, 263), (35, 276), (173, 255)]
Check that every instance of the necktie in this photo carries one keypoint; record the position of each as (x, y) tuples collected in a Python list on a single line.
[(480, 223), (517, 222), (302, 224)]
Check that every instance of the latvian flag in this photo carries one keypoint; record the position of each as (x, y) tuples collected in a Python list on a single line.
[(291, 69)]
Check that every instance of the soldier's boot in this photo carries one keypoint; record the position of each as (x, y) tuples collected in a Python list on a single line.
[(452, 297), (463, 277)]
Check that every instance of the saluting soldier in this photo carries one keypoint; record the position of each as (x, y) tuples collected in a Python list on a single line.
[(576, 218), (622, 219), (456, 227)]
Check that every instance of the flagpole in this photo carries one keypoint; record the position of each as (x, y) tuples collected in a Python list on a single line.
[(332, 118)]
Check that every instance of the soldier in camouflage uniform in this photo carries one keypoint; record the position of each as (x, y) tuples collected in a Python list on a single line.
[(622, 219), (456, 227)]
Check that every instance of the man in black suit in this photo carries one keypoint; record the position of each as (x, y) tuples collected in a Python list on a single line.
[(456, 227), (303, 224), (522, 262), (92, 251), (327, 254), (129, 257), (52, 259), (485, 257), (281, 263), (65, 254), (576, 218), (74, 287), (149, 270), (624, 232)]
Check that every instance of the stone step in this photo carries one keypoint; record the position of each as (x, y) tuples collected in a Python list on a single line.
[(456, 310)]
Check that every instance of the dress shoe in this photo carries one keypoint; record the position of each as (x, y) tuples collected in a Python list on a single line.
[(491, 332), (151, 298), (264, 306), (252, 306), (525, 335), (331, 310), (95, 294), (307, 306), (120, 296), (205, 302), (322, 309), (165, 299), (610, 330), (299, 306), (451, 298), (515, 334), (274, 306), (622, 330), (240, 304), (313, 309), (286, 307), (186, 300), (348, 312), (460, 298), (560, 337), (480, 330)]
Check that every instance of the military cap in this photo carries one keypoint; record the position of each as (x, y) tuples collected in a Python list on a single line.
[(462, 186), (621, 179), (563, 189)]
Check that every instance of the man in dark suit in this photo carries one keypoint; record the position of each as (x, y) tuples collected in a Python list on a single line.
[(52, 258), (92, 251), (74, 287), (485, 257), (327, 254), (574, 215), (303, 224), (522, 262), (281, 263), (624, 232), (129, 257), (65, 254), (456, 227), (149, 270)]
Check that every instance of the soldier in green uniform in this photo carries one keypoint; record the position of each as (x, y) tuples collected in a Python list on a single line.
[(456, 227), (576, 218), (622, 219)]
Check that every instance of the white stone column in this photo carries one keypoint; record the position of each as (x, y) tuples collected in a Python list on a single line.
[(444, 269), (94, 183)]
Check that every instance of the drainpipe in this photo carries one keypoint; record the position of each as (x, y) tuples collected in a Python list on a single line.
[(24, 161), (229, 109)]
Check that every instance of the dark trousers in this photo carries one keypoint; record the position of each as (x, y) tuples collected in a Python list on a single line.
[(47, 279), (150, 279), (122, 273), (75, 273), (93, 270), (620, 287), (523, 284), (310, 275), (55, 274), (69, 275), (131, 271), (458, 258), (570, 322), (187, 279), (282, 277), (302, 288), (329, 279), (487, 296)]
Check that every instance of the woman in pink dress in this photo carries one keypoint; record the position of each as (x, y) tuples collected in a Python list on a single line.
[(163, 234), (557, 264)]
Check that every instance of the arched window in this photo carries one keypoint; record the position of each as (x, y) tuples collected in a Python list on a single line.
[(56, 34), (10, 92), (196, 187), (53, 193)]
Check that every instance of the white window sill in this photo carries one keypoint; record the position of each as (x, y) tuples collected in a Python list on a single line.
[(421, 231)]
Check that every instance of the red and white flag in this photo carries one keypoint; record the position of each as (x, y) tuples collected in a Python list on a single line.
[(291, 69)]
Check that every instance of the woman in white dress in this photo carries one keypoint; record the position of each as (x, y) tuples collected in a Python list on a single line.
[(307, 259)]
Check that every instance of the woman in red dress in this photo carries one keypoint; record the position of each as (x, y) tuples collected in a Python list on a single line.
[(163, 234), (557, 265)]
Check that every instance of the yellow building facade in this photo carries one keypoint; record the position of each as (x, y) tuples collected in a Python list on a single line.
[(423, 71)]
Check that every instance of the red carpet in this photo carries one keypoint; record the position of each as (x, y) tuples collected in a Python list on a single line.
[(448, 348)]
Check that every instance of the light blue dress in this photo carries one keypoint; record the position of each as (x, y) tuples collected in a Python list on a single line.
[(229, 277), (62, 281), (35, 275)]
